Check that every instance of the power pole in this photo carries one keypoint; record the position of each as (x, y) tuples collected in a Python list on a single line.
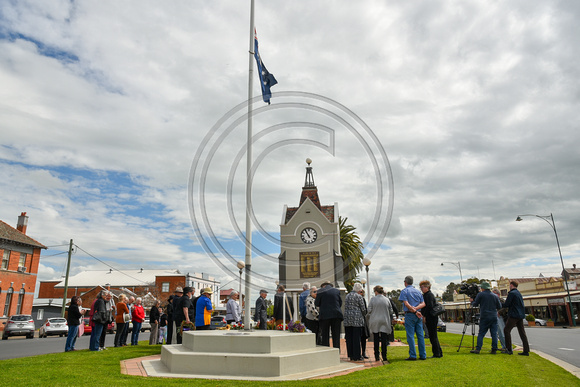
[(66, 278)]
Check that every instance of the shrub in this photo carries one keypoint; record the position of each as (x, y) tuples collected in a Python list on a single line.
[(529, 317)]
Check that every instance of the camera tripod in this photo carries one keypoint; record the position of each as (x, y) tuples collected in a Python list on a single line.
[(470, 318)]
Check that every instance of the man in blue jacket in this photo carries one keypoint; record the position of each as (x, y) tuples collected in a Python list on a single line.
[(516, 315), (488, 306)]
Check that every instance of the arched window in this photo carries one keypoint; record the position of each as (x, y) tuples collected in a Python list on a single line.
[(20, 299), (8, 301)]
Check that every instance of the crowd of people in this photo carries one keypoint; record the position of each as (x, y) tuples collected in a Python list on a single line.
[(321, 311)]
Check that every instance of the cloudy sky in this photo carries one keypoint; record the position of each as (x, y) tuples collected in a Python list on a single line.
[(107, 107)]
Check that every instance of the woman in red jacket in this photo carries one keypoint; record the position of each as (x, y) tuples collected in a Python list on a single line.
[(138, 316)]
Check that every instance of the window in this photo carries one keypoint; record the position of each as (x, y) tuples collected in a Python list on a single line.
[(165, 287), (20, 299), (8, 301), (22, 261), (5, 259), (40, 314)]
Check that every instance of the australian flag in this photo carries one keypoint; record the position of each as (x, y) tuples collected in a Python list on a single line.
[(267, 80)]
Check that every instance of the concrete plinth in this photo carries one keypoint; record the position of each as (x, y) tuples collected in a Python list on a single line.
[(255, 355)]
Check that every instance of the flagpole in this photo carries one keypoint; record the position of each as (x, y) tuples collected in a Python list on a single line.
[(248, 171)]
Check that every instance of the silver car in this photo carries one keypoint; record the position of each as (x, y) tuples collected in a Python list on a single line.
[(19, 325), (55, 326)]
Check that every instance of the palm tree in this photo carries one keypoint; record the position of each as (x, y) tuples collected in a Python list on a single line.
[(351, 249)]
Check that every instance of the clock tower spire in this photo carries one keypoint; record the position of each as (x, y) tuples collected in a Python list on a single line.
[(309, 190)]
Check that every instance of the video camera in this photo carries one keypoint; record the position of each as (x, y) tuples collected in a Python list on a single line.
[(470, 290)]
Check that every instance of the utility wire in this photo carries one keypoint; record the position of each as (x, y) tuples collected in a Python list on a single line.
[(106, 264)]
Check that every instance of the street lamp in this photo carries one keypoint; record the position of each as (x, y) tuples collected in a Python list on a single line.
[(241, 266), (457, 265), (367, 263), (550, 221)]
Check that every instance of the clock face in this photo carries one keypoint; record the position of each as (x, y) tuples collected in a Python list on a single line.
[(308, 235)]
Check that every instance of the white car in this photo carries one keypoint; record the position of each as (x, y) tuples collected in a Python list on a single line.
[(55, 326), (541, 322)]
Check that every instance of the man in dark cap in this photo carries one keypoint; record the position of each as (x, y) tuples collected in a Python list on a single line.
[(261, 315), (488, 306), (183, 310)]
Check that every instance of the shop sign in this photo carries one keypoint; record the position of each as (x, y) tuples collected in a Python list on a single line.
[(556, 301)]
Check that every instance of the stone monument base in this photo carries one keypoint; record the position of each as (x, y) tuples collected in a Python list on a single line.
[(254, 355)]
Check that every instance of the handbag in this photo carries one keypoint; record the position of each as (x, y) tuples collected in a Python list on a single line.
[(437, 310), (126, 317)]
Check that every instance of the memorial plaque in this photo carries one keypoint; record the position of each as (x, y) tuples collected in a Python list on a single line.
[(310, 264)]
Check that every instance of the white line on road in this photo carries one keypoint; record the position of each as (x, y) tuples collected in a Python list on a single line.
[(567, 349)]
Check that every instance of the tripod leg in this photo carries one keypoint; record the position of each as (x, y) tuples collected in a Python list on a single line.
[(464, 329)]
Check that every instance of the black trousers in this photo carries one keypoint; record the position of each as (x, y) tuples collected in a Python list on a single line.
[(511, 323), (431, 325), (353, 336), (123, 339), (119, 333), (380, 338), (169, 331), (103, 336), (178, 337), (333, 324)]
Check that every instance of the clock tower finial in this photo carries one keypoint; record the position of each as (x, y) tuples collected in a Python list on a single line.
[(309, 180), (309, 190)]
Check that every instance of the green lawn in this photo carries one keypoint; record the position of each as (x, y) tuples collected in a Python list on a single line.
[(454, 369)]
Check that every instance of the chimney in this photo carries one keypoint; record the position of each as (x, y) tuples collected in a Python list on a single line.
[(22, 223)]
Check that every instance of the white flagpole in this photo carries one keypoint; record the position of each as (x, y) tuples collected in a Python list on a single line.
[(248, 171)]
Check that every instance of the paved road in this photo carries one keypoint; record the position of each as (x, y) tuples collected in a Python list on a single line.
[(562, 343), (22, 347)]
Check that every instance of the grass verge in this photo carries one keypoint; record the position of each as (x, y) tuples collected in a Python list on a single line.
[(82, 368)]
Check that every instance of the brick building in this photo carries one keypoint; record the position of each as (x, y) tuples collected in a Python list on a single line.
[(148, 284), (20, 256)]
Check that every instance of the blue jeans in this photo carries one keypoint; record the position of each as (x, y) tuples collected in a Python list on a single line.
[(96, 336), (414, 325), (486, 324), (135, 333), (71, 339)]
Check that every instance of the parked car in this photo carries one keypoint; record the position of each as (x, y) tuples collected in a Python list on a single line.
[(217, 322), (19, 325), (541, 322), (89, 329), (145, 326), (55, 326), (441, 326)]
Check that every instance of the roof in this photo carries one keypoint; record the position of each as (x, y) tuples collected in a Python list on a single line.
[(10, 234), (327, 211), (116, 278)]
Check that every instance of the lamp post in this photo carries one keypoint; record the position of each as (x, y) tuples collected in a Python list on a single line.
[(457, 265), (241, 266), (550, 220), (367, 263)]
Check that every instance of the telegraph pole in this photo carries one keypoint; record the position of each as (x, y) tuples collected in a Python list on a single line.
[(66, 278)]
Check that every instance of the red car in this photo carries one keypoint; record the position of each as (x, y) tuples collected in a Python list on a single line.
[(89, 329)]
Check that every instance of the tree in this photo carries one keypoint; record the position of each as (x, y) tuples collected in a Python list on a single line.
[(351, 249)]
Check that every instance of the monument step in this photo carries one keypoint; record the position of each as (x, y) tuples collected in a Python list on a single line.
[(178, 359), (247, 342)]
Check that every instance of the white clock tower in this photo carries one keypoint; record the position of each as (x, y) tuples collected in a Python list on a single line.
[(310, 241)]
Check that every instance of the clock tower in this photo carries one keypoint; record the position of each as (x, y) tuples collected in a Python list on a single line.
[(310, 241)]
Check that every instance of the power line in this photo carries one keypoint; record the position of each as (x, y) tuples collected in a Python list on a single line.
[(52, 255), (106, 264)]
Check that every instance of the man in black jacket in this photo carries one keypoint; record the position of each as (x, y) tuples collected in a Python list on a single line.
[(280, 304), (330, 317), (261, 315), (169, 313), (184, 310)]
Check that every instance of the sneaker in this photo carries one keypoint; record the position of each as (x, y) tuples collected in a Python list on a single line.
[(476, 351), (493, 351), (411, 358)]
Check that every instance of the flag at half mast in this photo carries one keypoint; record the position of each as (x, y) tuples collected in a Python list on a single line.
[(267, 80)]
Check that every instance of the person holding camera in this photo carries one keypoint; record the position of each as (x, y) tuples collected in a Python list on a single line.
[(488, 306)]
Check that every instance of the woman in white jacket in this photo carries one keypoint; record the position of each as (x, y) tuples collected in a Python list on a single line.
[(379, 317)]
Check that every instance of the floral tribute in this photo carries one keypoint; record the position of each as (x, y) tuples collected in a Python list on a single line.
[(185, 326), (292, 326)]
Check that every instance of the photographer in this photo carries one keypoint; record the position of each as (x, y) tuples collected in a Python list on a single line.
[(488, 306)]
